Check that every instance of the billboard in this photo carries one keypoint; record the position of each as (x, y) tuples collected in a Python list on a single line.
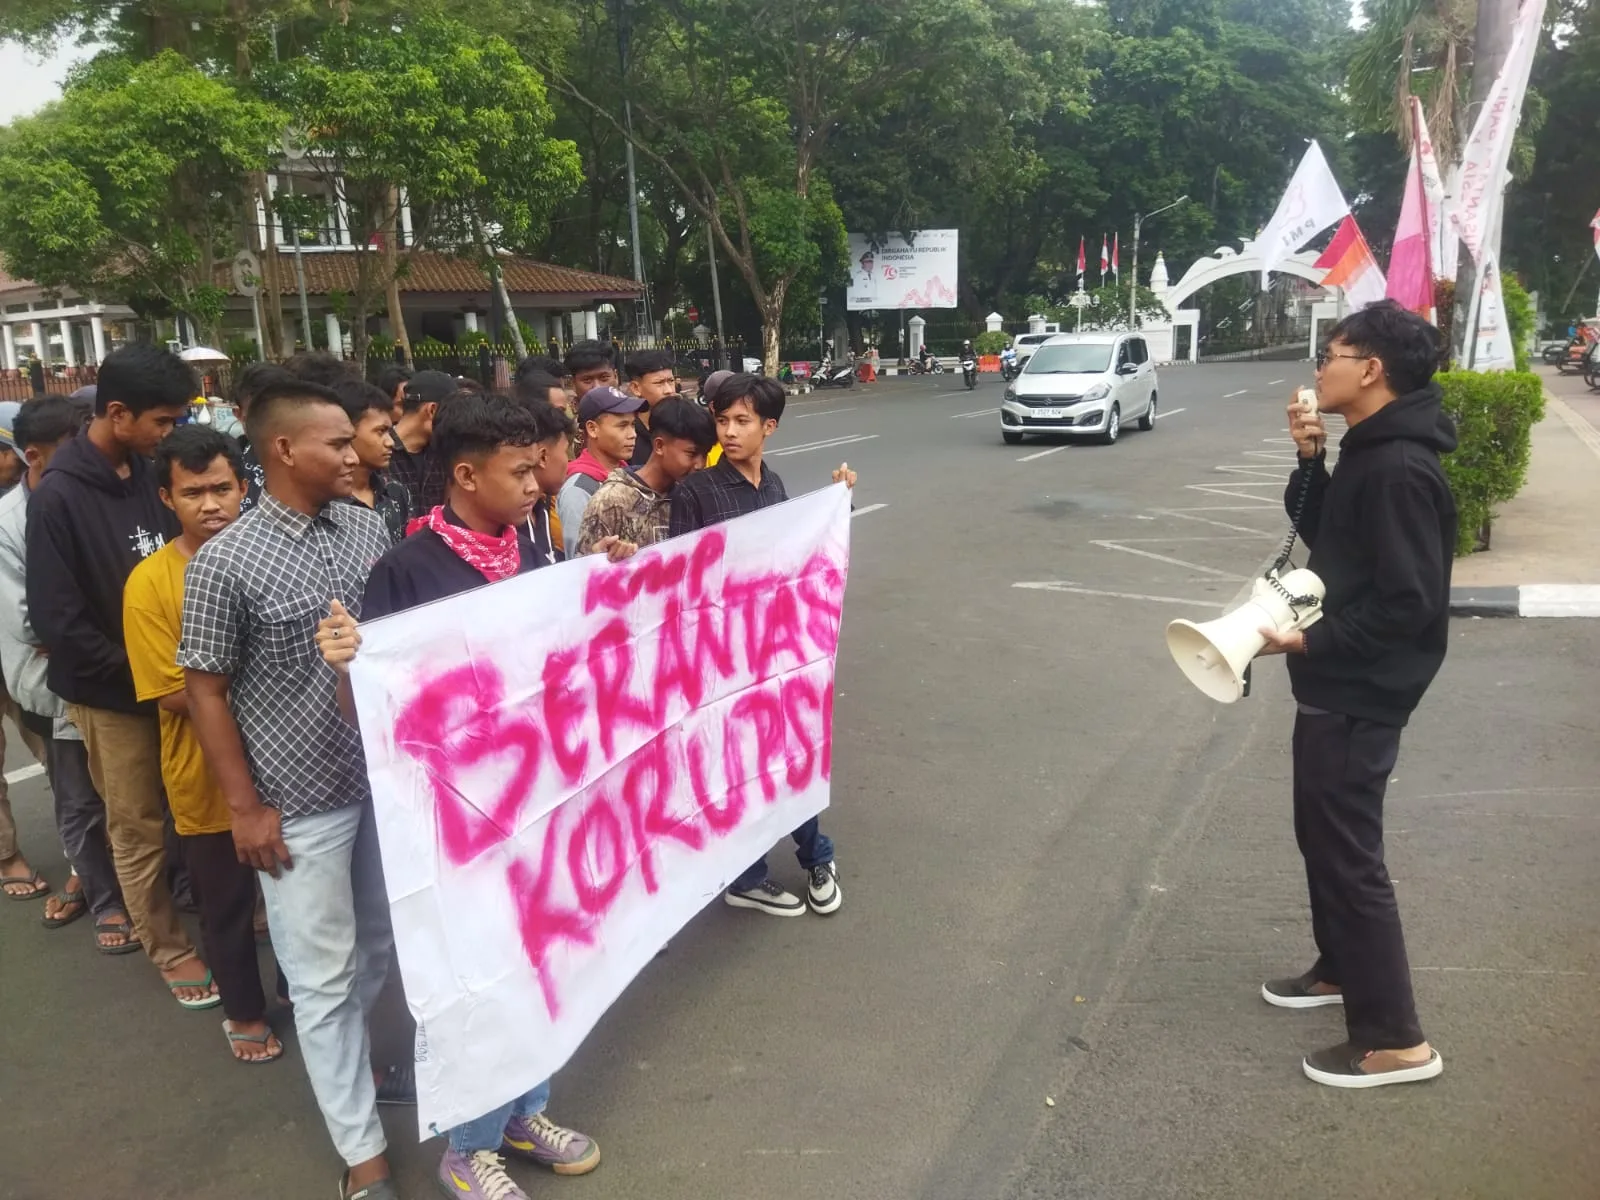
[(896, 273)]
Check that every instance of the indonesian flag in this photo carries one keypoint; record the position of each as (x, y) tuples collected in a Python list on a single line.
[(1116, 255), (1105, 256), (1083, 262), (1410, 263), (1350, 265)]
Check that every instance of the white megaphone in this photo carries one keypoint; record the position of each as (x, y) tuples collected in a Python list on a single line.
[(1214, 655)]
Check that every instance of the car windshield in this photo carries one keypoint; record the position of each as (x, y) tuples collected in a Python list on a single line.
[(1082, 358)]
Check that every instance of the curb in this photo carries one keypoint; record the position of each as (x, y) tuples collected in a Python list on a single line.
[(1528, 600)]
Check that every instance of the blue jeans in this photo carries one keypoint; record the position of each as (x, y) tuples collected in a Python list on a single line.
[(812, 848), (329, 916), (488, 1130)]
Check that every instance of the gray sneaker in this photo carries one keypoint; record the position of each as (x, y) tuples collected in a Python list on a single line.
[(538, 1139), (766, 897), (822, 889)]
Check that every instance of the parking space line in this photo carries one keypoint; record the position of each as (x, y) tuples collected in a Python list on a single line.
[(1171, 412), (871, 508), (1043, 453), (1175, 562), (1050, 585), (1188, 515), (825, 444)]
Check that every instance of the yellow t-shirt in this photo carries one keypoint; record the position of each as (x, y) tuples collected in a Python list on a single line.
[(152, 621), (715, 456)]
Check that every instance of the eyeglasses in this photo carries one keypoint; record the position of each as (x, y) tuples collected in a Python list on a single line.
[(1324, 355)]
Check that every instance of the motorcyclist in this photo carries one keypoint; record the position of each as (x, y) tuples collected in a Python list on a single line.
[(968, 354), (1008, 361)]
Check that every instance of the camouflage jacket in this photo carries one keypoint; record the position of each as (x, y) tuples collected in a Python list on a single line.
[(626, 508)]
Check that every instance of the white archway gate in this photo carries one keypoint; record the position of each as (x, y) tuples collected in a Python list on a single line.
[(1224, 264)]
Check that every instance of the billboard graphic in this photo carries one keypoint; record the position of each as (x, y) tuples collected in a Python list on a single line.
[(896, 273)]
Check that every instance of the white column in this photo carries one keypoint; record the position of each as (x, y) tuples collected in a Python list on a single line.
[(342, 206), (591, 324), (335, 337), (41, 348), (97, 331), (67, 352), (472, 321), (9, 346), (405, 218)]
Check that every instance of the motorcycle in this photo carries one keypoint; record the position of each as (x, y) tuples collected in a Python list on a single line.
[(829, 376), (1591, 367), (932, 367), (969, 372), (1008, 368)]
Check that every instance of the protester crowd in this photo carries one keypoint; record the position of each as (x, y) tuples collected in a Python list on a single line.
[(178, 612)]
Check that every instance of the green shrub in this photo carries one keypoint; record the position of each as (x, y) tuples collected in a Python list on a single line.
[(431, 347), (1494, 415), (241, 349), (1520, 318), (471, 339), (991, 343)]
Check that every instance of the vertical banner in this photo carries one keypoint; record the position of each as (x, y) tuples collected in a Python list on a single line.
[(568, 765), (1492, 351)]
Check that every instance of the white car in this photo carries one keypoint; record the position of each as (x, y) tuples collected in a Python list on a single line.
[(1082, 384), (1026, 343)]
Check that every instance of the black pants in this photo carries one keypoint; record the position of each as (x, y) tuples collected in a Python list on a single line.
[(1341, 767), (225, 890)]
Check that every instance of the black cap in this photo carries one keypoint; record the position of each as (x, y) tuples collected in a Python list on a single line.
[(608, 400), (430, 387)]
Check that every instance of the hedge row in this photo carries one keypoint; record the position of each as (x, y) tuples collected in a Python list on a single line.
[(1494, 415)]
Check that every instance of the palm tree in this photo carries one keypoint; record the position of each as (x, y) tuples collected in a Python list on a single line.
[(1415, 47)]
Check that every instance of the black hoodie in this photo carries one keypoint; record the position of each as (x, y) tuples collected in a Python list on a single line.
[(87, 529), (1382, 532)]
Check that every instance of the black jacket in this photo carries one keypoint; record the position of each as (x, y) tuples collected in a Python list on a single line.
[(1382, 532), (87, 529)]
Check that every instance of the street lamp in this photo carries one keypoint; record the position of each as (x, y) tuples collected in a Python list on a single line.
[(1133, 288)]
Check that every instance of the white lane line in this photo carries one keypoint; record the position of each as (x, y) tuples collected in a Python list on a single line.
[(21, 773), (1176, 562), (825, 444), (982, 412), (871, 508), (832, 412), (1054, 586), (1043, 453), (1276, 382), (1171, 412), (1240, 392), (1186, 515)]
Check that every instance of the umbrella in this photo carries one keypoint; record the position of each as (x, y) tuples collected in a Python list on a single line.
[(203, 354)]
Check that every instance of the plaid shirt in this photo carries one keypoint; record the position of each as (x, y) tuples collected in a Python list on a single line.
[(720, 494), (252, 599), (420, 474)]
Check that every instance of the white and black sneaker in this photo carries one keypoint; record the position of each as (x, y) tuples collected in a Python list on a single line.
[(1304, 991), (822, 889), (766, 897)]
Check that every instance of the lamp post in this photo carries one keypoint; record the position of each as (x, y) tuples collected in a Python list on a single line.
[(1133, 288), (622, 11)]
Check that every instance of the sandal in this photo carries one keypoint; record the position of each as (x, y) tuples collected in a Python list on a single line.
[(254, 1039), (37, 882), (118, 924), (73, 906), (210, 1001)]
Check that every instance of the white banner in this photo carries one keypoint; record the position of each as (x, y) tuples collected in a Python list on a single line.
[(566, 766), (1312, 203), (1493, 350), (1474, 215), (1433, 189), (895, 273)]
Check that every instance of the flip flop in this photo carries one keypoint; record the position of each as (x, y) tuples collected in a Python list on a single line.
[(254, 1039), (72, 904), (40, 886), (210, 1001), (115, 925)]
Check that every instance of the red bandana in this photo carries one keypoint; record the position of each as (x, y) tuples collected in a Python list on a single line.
[(495, 558)]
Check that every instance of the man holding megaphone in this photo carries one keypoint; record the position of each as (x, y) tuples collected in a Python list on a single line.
[(1382, 531)]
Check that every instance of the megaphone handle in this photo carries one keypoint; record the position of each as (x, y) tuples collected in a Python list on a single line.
[(1246, 691)]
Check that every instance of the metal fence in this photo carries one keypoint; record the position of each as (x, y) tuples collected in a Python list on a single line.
[(39, 380)]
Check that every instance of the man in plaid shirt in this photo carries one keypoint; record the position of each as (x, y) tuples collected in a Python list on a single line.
[(266, 710), (747, 410)]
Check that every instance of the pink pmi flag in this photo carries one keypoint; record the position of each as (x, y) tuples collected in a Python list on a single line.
[(1410, 264)]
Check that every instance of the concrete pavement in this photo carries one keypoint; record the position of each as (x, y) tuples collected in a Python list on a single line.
[(1065, 875)]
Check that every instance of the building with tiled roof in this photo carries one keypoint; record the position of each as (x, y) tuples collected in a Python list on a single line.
[(55, 326)]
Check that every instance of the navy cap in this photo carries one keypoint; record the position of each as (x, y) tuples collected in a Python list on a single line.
[(597, 401), (8, 419)]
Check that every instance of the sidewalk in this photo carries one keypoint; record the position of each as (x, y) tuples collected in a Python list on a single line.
[(1544, 558)]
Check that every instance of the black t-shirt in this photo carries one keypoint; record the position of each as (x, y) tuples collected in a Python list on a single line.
[(423, 569), (641, 445)]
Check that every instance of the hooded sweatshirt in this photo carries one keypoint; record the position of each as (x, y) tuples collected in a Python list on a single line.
[(585, 474), (1382, 532), (87, 529), (625, 507)]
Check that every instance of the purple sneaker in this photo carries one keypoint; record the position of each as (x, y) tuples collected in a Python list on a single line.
[(540, 1140), (479, 1175)]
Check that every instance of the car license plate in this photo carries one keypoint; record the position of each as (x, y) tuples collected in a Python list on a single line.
[(1049, 414)]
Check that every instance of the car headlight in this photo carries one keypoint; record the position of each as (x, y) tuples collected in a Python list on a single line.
[(1098, 392), (1011, 393)]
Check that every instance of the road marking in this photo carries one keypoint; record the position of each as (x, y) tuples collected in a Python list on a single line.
[(1054, 586), (829, 413), (825, 444), (1210, 537), (1276, 382), (982, 412), (1171, 412), (1044, 453), (871, 508), (1240, 392), (1228, 491), (21, 773), (1188, 515), (1176, 562)]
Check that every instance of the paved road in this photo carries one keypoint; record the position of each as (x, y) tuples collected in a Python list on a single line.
[(1065, 875)]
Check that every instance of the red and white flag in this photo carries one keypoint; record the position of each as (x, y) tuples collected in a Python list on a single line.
[(1116, 255), (1351, 266), (1411, 261), (1105, 257), (1083, 262)]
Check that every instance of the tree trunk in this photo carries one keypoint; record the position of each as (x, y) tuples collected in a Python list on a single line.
[(772, 326), (391, 261)]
